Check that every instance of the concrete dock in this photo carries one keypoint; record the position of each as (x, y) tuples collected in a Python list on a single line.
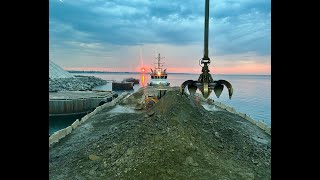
[(76, 102)]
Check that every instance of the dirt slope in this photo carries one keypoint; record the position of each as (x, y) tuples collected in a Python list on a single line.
[(180, 141)]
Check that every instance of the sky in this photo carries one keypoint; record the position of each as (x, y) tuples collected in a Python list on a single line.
[(126, 35)]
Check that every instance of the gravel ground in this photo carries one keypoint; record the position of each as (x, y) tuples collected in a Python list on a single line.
[(176, 139)]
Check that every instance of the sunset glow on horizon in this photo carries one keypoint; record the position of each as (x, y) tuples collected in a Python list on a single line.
[(254, 69)]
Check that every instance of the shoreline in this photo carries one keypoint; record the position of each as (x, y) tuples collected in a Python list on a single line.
[(262, 125)]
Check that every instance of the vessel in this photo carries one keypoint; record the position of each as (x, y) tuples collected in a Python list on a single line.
[(158, 75)]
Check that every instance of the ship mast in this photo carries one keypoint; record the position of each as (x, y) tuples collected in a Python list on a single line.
[(158, 58)]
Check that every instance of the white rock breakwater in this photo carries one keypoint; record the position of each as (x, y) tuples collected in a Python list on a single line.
[(78, 83)]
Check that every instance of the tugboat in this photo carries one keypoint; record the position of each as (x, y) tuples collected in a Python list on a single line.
[(159, 76)]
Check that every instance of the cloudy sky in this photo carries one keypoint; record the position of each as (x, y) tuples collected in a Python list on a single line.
[(124, 35)]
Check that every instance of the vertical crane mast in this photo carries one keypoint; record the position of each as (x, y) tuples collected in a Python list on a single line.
[(206, 34)]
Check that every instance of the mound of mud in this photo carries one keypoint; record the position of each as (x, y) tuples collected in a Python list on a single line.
[(181, 140)]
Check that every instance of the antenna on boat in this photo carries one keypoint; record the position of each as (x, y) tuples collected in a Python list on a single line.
[(158, 61)]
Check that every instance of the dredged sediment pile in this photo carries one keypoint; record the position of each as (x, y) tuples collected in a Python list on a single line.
[(180, 140)]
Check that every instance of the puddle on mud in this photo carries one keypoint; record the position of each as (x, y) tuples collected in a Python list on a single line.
[(260, 140), (210, 107), (122, 109)]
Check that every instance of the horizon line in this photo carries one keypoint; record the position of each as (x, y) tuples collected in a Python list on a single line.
[(136, 72)]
